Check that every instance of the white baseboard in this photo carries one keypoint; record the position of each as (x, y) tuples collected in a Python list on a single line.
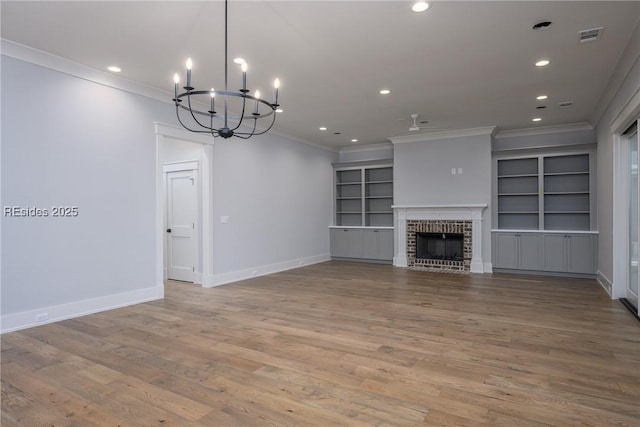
[(235, 276), (605, 283), (488, 267), (55, 313)]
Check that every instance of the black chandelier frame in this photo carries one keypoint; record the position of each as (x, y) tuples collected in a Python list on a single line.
[(231, 122)]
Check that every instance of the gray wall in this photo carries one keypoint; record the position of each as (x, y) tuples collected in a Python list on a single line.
[(278, 196), (624, 83), (422, 175), (370, 153), (69, 141)]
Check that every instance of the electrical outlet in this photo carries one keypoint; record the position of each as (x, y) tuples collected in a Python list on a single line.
[(42, 317)]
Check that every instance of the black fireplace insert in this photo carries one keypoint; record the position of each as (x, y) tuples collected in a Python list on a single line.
[(440, 246)]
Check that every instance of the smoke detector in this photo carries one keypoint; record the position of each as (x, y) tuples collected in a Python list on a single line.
[(566, 104), (590, 35)]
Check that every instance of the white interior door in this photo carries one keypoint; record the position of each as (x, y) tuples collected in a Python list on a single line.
[(181, 225)]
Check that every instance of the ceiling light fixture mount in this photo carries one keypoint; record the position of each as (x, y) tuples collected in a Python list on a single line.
[(257, 122)]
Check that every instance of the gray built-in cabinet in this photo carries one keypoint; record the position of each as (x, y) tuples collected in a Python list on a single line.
[(571, 253), (544, 221), (372, 244), (363, 214)]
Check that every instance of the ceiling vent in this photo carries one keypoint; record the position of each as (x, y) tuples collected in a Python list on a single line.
[(590, 35), (566, 104)]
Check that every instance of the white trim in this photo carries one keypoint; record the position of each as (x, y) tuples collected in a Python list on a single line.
[(501, 230), (371, 147), (56, 313), (488, 130), (363, 227), (605, 283), (472, 207), (573, 127), (180, 166), (466, 212), (235, 276)]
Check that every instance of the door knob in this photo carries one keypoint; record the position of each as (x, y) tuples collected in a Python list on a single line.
[(168, 230)]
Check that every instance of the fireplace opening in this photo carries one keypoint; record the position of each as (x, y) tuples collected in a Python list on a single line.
[(441, 246)]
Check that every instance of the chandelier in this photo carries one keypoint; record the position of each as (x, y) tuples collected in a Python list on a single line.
[(255, 115)]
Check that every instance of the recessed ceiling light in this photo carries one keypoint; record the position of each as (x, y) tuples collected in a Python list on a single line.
[(114, 69), (354, 140), (239, 61), (542, 63), (541, 107), (323, 128), (537, 119), (541, 97), (337, 133), (385, 91), (279, 110), (420, 6)]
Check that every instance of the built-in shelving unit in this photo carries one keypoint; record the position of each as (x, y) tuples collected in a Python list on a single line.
[(518, 194), (364, 195), (544, 193)]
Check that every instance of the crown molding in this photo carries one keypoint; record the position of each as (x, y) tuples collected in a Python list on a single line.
[(57, 63), (573, 127), (361, 148), (488, 130)]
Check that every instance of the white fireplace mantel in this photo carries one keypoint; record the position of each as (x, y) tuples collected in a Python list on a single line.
[(460, 212)]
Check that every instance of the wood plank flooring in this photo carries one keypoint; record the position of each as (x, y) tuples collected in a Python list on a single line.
[(336, 344)]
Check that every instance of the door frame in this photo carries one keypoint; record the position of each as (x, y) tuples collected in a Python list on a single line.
[(205, 270), (626, 117)]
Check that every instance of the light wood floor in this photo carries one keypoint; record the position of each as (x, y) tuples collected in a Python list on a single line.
[(336, 344)]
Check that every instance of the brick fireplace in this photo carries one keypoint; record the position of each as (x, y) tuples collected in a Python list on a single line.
[(446, 228), (465, 220)]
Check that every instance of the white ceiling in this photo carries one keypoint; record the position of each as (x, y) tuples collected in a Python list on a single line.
[(461, 64)]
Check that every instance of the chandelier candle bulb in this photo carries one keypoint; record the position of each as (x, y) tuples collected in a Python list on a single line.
[(213, 99), (244, 67), (176, 81), (276, 85), (189, 66)]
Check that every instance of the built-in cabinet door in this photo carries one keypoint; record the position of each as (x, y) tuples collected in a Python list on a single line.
[(346, 243), (580, 249), (339, 242), (370, 244), (385, 245), (529, 251), (554, 252), (377, 244), (506, 250)]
